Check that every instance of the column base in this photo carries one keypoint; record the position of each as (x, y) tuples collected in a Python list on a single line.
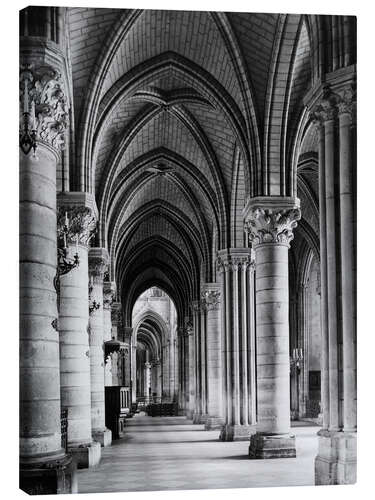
[(104, 437), (86, 455), (272, 446), (236, 432), (199, 418), (213, 423), (49, 477), (336, 462)]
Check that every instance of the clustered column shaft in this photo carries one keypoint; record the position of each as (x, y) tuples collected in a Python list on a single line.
[(334, 115), (238, 355)]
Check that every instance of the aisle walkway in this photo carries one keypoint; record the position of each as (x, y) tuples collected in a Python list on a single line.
[(170, 453)]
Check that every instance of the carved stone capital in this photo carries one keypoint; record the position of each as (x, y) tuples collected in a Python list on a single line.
[(333, 104), (98, 264), (195, 306), (326, 109), (116, 314), (47, 98), (109, 291), (270, 226), (81, 224), (210, 300), (189, 330), (347, 104), (234, 259), (180, 331)]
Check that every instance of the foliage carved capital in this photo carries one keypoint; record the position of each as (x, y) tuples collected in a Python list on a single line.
[(210, 300), (272, 226), (78, 223), (49, 113)]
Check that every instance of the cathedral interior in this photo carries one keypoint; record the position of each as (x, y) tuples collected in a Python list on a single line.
[(187, 244)]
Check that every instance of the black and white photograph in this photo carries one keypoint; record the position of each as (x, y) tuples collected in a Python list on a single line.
[(187, 249)]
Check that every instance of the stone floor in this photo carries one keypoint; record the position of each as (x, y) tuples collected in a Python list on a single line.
[(170, 453)]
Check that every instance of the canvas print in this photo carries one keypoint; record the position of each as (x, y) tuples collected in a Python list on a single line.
[(187, 250)]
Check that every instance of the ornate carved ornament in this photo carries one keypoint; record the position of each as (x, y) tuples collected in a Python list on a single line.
[(46, 92), (333, 104), (189, 329), (272, 226), (210, 300), (107, 300), (97, 268), (82, 224), (195, 306), (180, 331), (116, 316)]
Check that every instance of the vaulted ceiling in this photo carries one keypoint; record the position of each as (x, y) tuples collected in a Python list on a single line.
[(178, 118)]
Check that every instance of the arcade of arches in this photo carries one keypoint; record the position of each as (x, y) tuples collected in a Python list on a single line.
[(200, 167)]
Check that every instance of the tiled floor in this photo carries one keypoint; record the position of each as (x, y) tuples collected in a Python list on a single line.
[(170, 453)]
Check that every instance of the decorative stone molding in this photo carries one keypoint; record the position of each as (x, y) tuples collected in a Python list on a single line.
[(82, 224), (271, 220), (46, 91)]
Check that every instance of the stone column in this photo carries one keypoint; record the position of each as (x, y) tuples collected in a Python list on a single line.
[(191, 369), (109, 291), (186, 332), (44, 466), (158, 378), (181, 377), (203, 365), (196, 307), (128, 337), (323, 281), (147, 380), (270, 222), (77, 208), (304, 335), (235, 266), (337, 454), (347, 263), (210, 297), (98, 262)]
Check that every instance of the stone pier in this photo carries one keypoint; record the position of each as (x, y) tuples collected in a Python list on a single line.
[(44, 466), (270, 226), (235, 266), (77, 209), (98, 262)]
